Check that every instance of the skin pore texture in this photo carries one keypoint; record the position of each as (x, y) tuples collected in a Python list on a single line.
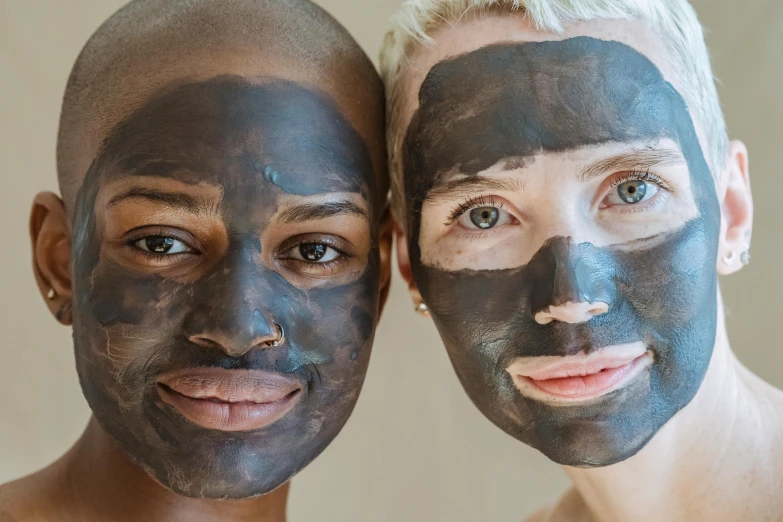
[(559, 208), (228, 264)]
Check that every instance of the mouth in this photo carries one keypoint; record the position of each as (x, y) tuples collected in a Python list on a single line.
[(229, 400), (581, 377)]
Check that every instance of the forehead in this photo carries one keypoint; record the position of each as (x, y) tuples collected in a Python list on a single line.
[(549, 96), (471, 34), (231, 132)]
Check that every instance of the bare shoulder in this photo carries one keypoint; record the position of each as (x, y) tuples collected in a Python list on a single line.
[(28, 499)]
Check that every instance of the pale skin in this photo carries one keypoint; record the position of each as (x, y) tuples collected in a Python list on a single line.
[(716, 460)]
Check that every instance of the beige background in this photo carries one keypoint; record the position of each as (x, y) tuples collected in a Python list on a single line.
[(415, 448)]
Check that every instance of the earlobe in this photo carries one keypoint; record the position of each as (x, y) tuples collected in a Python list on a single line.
[(404, 262), (51, 243), (736, 212)]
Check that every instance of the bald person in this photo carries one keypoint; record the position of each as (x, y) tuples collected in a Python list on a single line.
[(221, 251)]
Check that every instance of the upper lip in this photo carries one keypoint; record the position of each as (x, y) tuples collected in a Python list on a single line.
[(230, 386), (580, 364)]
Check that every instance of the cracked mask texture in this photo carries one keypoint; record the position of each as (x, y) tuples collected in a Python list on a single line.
[(255, 142), (514, 101)]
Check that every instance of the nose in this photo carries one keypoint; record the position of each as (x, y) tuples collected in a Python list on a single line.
[(230, 308), (570, 282), (236, 339), (571, 312)]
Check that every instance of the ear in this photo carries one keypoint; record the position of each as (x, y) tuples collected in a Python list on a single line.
[(736, 212), (51, 241), (385, 239), (404, 262)]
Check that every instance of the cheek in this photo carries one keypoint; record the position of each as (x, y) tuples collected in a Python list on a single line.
[(129, 319), (337, 323), (674, 284)]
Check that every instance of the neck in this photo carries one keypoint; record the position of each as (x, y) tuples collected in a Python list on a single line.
[(715, 460), (101, 484)]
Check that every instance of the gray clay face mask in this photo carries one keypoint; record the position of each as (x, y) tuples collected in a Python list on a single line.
[(229, 156), (519, 101)]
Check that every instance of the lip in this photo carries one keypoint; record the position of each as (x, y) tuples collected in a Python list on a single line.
[(229, 400), (581, 377)]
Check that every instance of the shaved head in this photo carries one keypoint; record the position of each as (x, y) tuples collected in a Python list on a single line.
[(223, 170), (151, 44)]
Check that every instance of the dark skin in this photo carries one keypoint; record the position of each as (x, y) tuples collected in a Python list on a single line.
[(217, 211), (661, 290)]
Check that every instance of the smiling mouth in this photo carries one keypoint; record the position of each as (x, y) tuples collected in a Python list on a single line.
[(229, 400), (581, 377)]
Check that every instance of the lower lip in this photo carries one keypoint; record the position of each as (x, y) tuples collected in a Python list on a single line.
[(229, 416), (586, 387)]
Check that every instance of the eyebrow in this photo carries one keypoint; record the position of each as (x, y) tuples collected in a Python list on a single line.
[(639, 159), (311, 212), (187, 202), (465, 187)]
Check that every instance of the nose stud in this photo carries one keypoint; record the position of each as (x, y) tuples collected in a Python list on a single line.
[(280, 337)]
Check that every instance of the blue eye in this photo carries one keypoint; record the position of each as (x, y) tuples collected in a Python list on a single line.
[(632, 192), (162, 245), (485, 217)]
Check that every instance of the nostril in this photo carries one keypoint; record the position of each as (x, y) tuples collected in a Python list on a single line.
[(597, 309), (204, 342), (571, 312)]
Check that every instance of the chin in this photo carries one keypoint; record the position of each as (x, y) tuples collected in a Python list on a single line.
[(593, 447), (217, 484)]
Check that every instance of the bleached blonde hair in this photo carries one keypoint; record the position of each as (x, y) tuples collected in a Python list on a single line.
[(675, 21)]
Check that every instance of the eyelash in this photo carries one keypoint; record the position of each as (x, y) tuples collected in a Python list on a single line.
[(469, 204)]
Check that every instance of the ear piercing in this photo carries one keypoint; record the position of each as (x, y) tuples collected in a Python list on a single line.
[(422, 309), (745, 257), (280, 337), (51, 294)]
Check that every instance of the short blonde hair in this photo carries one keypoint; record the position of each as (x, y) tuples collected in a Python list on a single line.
[(674, 20)]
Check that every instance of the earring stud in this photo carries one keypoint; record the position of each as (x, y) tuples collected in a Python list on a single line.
[(51, 294), (745, 257), (422, 309)]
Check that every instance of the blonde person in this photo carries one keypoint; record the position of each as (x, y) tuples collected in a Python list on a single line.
[(566, 197)]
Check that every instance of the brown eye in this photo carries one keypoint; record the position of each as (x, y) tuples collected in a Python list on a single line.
[(314, 253), (162, 245)]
